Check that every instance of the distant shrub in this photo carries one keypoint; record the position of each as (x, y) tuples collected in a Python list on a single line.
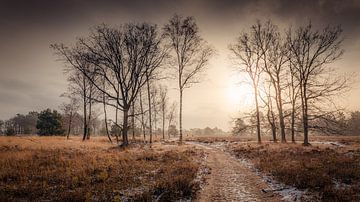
[(10, 131), (49, 123)]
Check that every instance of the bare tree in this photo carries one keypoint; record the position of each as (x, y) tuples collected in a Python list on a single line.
[(142, 113), (190, 53), (93, 98), (153, 61), (293, 94), (121, 58), (171, 116), (79, 83), (133, 119), (155, 101), (69, 110), (270, 115), (247, 56), (274, 60), (104, 101), (311, 52), (2, 123), (150, 108), (163, 106)]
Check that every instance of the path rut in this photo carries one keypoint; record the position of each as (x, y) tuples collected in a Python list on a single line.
[(231, 180)]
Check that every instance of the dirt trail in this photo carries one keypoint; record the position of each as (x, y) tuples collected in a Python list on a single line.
[(230, 180)]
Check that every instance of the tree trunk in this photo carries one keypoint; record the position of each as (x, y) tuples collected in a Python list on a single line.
[(155, 112), (163, 121), (133, 120), (84, 103), (305, 119), (281, 115), (257, 114), (125, 126), (89, 119), (304, 112), (168, 129), (180, 116), (142, 116), (69, 128), (271, 120), (105, 116), (116, 114), (149, 103), (294, 94), (293, 122)]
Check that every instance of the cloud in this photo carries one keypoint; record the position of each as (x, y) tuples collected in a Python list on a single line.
[(30, 78)]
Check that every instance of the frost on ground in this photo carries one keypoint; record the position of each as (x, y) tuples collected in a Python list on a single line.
[(230, 180), (287, 193)]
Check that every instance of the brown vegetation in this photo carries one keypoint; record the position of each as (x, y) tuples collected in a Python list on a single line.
[(51, 168), (333, 171)]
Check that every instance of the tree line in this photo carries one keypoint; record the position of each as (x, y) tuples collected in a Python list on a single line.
[(46, 122), (290, 73)]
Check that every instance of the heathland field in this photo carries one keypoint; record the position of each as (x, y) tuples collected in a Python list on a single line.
[(202, 168), (56, 169)]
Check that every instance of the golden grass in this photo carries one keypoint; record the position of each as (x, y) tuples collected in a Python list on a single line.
[(53, 168), (332, 171)]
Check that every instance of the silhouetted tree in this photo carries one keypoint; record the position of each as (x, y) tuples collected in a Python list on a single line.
[(274, 60), (80, 84), (104, 101), (10, 127), (124, 58), (311, 52), (171, 116), (2, 123), (248, 57), (270, 115), (70, 109), (354, 123), (190, 53), (239, 127), (293, 95), (173, 131), (163, 106)]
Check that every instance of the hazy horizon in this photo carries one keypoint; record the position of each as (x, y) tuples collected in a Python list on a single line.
[(31, 78)]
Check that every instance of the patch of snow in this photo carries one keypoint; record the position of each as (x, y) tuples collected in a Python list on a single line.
[(337, 144), (288, 193), (339, 185)]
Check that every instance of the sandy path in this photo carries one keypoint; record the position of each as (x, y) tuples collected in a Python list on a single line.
[(230, 180)]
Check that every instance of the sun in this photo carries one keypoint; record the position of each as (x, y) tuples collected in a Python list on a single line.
[(239, 96), (233, 95)]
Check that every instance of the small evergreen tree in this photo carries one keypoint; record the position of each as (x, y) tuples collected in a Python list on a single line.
[(49, 123)]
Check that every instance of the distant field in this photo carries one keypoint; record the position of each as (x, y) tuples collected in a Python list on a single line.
[(53, 168)]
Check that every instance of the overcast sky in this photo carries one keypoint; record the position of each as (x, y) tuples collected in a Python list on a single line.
[(32, 79)]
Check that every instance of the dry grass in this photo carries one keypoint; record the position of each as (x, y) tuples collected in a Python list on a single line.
[(52, 168), (347, 140), (332, 171), (225, 138)]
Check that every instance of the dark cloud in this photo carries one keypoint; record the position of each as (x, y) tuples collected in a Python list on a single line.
[(30, 77), (17, 14)]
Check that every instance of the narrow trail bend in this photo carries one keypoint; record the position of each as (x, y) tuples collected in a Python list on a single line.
[(231, 180)]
